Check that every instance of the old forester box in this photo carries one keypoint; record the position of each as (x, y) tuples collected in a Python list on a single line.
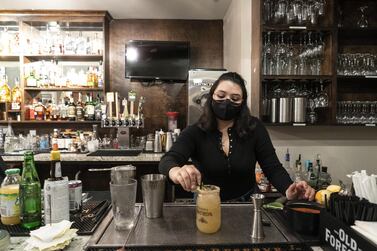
[(341, 237)]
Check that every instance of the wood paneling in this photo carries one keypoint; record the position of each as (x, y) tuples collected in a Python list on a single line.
[(206, 42)]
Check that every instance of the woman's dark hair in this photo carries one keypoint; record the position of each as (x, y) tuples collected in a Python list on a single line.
[(243, 123)]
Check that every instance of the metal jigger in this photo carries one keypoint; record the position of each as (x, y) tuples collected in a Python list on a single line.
[(257, 227)]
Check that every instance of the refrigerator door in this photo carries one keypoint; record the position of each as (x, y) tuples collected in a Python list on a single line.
[(200, 82)]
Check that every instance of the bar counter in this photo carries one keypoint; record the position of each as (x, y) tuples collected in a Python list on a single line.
[(77, 157), (176, 230)]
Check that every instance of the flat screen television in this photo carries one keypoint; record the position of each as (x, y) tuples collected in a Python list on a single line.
[(165, 60)]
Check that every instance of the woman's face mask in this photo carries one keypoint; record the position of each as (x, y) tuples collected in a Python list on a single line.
[(226, 109)]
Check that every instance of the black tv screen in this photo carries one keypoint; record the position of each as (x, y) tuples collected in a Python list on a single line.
[(165, 60)]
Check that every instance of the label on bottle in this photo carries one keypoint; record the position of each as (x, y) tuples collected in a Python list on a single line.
[(9, 204), (15, 106), (71, 112), (90, 111), (56, 201), (31, 82), (58, 170), (79, 113)]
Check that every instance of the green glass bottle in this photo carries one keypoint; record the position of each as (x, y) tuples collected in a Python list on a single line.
[(30, 194)]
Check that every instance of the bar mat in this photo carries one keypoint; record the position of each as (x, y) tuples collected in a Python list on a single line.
[(86, 226), (309, 239)]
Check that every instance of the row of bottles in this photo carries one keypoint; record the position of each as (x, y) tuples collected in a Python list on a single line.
[(53, 41), (9, 42), (21, 196), (68, 109), (44, 74), (315, 175), (8, 95)]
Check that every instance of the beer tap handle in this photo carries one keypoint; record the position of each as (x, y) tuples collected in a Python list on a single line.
[(140, 108), (125, 109), (132, 98)]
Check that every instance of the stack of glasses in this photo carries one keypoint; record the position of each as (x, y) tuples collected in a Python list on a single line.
[(358, 64), (287, 57), (356, 112)]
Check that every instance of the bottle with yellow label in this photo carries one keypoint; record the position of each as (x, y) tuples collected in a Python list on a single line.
[(16, 95), (9, 198), (5, 93), (208, 209)]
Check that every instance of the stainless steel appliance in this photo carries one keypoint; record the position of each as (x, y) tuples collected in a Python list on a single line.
[(299, 109), (200, 82), (285, 110)]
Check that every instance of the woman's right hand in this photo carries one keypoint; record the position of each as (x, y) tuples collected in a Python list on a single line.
[(188, 176)]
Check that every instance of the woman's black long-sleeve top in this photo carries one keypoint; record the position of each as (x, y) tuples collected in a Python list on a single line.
[(235, 173)]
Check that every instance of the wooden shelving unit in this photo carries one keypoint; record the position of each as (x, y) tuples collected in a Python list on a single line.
[(345, 39), (296, 77), (31, 24), (49, 122), (74, 58), (65, 89)]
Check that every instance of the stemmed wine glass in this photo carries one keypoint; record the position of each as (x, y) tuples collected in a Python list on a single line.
[(363, 21)]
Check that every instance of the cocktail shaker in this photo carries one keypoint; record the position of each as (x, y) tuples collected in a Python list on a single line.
[(257, 227)]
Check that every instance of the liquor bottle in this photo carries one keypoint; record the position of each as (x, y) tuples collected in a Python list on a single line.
[(5, 93), (79, 109), (69, 46), (30, 194), (80, 45), (288, 165), (97, 109), (40, 111), (55, 112), (324, 178), (63, 108), (48, 110), (95, 77), (31, 80), (317, 169), (89, 109), (311, 177), (298, 169), (55, 167), (71, 110), (100, 75), (90, 77), (16, 96), (56, 193)]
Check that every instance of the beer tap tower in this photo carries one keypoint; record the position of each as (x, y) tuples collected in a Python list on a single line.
[(125, 120)]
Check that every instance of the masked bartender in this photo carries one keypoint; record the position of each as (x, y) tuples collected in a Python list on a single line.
[(224, 146)]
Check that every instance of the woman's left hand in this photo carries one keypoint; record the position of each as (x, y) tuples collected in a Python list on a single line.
[(300, 190)]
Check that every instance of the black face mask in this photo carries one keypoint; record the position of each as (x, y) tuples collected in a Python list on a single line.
[(225, 109)]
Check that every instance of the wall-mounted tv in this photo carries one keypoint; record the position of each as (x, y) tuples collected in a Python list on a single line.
[(153, 60)]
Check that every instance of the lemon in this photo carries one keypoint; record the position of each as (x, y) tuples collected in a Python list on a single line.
[(321, 195), (334, 188)]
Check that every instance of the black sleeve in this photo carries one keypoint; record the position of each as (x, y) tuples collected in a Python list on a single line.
[(180, 152), (269, 162)]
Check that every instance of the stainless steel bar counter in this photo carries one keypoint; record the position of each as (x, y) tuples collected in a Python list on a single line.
[(176, 230)]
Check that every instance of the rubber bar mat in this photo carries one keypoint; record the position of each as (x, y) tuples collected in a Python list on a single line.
[(85, 225)]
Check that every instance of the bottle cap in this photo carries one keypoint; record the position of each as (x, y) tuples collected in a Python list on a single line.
[(12, 171)]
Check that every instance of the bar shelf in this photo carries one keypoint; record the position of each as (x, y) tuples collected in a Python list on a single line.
[(76, 58)]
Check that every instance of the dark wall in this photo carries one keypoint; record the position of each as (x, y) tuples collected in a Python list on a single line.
[(206, 42)]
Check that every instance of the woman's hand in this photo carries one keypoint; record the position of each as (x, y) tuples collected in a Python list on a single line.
[(300, 190), (188, 176)]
